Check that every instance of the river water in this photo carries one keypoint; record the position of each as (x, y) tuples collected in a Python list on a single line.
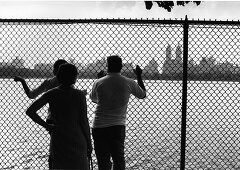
[(153, 127)]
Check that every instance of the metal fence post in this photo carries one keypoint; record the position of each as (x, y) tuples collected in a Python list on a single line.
[(184, 93)]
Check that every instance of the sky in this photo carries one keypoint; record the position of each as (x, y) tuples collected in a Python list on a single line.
[(220, 10)]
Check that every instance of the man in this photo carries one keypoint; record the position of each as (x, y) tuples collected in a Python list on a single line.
[(111, 94), (45, 86)]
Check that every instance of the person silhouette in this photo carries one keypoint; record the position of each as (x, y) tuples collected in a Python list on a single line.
[(111, 93), (70, 143), (43, 87)]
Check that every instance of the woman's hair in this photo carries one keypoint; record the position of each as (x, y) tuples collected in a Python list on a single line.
[(57, 65), (67, 74), (114, 63)]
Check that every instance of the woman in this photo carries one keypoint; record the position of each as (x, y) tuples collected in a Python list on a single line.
[(70, 133)]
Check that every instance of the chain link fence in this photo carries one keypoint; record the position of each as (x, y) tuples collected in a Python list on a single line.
[(153, 141), (212, 140)]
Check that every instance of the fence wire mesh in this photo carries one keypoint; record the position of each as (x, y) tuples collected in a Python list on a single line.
[(213, 102), (153, 139)]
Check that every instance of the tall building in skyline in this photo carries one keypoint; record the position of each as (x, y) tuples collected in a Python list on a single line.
[(173, 65)]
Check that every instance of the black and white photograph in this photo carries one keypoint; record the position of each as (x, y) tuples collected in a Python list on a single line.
[(119, 85)]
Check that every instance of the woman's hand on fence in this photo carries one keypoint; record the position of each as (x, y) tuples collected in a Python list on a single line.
[(17, 78)]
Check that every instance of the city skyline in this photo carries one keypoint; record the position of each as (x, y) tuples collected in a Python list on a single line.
[(170, 59), (172, 65)]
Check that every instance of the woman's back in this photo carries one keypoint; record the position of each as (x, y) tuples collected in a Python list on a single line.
[(68, 143), (66, 106)]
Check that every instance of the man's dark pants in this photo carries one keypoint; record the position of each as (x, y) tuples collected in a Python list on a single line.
[(109, 143)]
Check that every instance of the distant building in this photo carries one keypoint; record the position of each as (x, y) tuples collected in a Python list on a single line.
[(237, 69), (18, 63), (228, 68), (44, 66), (44, 69), (192, 67), (127, 67), (5, 64), (170, 65), (96, 66), (80, 66), (206, 65), (168, 61), (151, 67), (178, 58)]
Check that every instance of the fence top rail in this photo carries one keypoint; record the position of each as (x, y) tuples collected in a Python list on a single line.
[(118, 21)]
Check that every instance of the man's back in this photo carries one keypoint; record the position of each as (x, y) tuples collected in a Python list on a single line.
[(111, 93)]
